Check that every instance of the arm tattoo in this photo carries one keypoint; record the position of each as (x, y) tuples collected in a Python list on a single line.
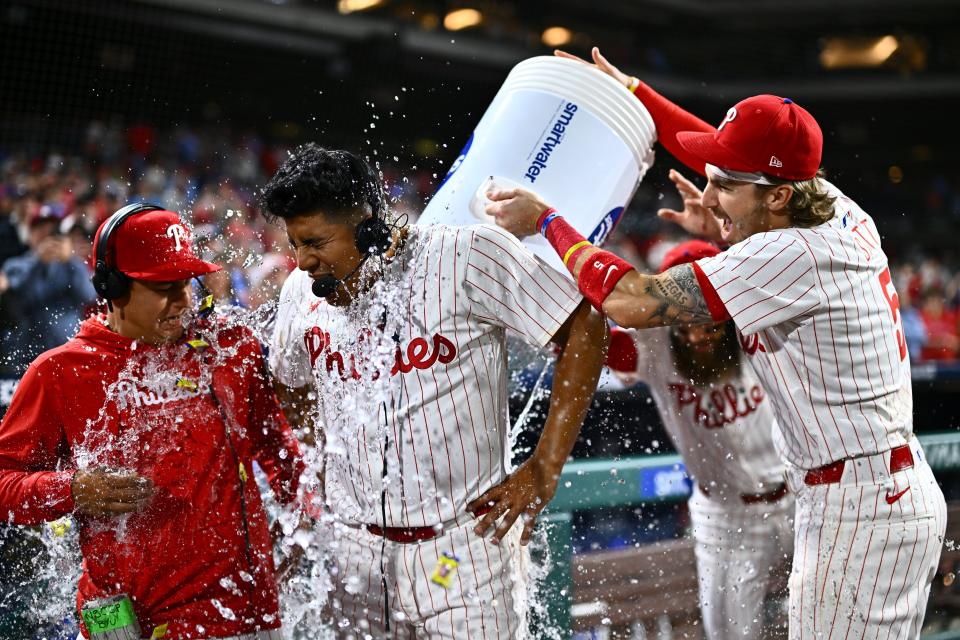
[(678, 298)]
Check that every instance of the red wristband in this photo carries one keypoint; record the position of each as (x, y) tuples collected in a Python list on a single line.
[(600, 275), (562, 237), (543, 217)]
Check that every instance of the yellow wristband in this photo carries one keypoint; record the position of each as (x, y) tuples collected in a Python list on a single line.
[(570, 251), (633, 84)]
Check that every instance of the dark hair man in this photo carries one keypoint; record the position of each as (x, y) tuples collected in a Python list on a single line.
[(405, 364)]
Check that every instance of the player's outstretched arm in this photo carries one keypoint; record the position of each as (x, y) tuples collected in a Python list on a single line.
[(611, 284), (583, 344), (641, 301), (668, 117)]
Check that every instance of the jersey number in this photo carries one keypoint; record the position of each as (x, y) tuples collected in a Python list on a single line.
[(893, 300)]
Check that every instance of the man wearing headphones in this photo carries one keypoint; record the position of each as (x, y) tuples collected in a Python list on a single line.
[(403, 368), (144, 428)]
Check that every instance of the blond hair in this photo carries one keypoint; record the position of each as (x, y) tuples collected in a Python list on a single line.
[(811, 204)]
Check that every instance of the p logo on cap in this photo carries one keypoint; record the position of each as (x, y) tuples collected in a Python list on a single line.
[(731, 114), (178, 233)]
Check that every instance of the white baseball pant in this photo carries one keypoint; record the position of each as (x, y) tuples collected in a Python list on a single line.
[(738, 547), (867, 548), (486, 598)]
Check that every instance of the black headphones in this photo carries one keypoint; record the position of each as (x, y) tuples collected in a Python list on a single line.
[(372, 235), (109, 282)]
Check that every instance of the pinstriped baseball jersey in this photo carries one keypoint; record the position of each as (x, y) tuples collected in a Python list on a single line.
[(820, 317), (415, 370), (723, 431)]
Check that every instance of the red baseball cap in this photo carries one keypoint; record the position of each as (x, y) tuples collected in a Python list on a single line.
[(762, 134), (156, 246), (689, 251)]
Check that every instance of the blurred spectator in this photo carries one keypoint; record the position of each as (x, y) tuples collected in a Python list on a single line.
[(45, 290), (914, 330), (268, 277), (943, 334)]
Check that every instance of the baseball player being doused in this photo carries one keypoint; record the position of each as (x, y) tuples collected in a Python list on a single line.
[(807, 284), (402, 366)]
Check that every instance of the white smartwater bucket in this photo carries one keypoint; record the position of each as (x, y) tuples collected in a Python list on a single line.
[(567, 131)]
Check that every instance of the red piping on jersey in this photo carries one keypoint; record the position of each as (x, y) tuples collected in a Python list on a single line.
[(718, 311), (622, 353)]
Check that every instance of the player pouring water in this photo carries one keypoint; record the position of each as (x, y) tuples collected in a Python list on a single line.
[(806, 282)]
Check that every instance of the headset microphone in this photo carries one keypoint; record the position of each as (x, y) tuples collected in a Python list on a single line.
[(324, 286), (372, 237)]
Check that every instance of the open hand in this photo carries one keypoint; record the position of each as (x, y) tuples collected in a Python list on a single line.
[(599, 62), (516, 210), (525, 493), (695, 218), (97, 492)]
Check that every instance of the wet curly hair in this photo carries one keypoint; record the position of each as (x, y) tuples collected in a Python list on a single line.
[(314, 179)]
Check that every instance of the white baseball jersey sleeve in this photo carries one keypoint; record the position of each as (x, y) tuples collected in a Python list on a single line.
[(412, 378), (723, 430), (820, 318)]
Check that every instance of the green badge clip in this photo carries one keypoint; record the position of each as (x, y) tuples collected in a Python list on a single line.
[(110, 614)]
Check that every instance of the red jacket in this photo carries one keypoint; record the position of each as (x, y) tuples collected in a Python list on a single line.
[(191, 558)]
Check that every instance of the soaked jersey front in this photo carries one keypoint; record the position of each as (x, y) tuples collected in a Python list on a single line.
[(411, 377)]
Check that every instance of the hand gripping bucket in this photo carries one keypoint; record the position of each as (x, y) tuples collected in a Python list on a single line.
[(562, 129)]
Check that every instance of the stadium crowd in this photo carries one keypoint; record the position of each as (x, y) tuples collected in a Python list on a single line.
[(52, 201)]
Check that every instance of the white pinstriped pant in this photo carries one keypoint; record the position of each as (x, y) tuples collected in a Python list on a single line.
[(486, 600), (738, 547), (863, 563)]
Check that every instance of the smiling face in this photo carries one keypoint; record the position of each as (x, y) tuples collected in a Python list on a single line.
[(739, 206), (702, 339), (153, 312), (326, 246), (705, 352)]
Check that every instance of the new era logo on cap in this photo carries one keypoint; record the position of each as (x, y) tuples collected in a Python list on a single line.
[(762, 134)]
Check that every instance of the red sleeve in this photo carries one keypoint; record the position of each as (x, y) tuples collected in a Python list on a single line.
[(622, 353), (717, 309), (32, 441), (670, 120), (275, 447)]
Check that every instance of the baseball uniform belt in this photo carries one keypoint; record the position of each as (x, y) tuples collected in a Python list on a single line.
[(273, 634), (409, 535), (776, 494), (900, 458)]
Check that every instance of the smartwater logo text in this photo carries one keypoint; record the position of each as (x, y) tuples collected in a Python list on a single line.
[(553, 139)]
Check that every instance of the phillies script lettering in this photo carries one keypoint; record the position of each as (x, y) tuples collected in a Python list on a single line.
[(751, 343), (417, 354), (720, 407)]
